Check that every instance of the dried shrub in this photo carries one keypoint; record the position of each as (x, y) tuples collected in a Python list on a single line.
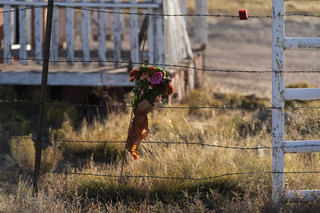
[(23, 151)]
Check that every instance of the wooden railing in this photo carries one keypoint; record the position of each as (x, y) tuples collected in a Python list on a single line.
[(29, 30)]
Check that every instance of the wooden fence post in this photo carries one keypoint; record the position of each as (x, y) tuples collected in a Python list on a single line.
[(44, 83)]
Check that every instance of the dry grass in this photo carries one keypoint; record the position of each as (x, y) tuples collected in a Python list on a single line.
[(241, 193)]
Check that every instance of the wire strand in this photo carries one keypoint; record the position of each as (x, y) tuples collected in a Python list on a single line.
[(164, 15), (169, 143), (177, 66), (186, 178), (16, 101)]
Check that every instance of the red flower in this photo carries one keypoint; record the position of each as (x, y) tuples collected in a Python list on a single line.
[(152, 70), (134, 75), (168, 88)]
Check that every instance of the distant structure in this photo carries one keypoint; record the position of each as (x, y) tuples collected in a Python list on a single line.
[(95, 43)]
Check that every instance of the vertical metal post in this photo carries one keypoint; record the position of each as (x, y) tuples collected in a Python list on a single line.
[(278, 57), (44, 81)]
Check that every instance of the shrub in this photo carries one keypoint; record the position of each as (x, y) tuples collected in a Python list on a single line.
[(23, 151), (199, 98), (97, 131)]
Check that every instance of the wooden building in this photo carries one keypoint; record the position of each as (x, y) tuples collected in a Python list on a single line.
[(94, 43)]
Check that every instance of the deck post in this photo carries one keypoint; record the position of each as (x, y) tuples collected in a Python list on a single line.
[(117, 33), (38, 30), (7, 34), (85, 36), (54, 37), (70, 34), (102, 37), (22, 35), (201, 22), (134, 54), (159, 35)]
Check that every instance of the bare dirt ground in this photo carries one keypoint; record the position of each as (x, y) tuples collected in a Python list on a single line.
[(247, 45)]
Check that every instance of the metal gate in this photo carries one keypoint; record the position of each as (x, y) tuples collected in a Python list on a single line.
[(280, 94)]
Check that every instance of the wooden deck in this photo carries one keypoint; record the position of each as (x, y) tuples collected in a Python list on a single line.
[(65, 75)]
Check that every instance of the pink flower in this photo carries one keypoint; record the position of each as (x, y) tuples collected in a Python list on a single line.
[(145, 76), (150, 86), (156, 78)]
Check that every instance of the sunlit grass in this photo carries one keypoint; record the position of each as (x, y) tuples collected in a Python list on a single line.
[(167, 173)]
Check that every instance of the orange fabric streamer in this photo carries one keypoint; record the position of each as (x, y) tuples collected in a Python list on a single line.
[(138, 130)]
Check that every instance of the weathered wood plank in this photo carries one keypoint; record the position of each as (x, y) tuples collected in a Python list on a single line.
[(117, 31), (185, 40), (22, 35), (183, 6), (170, 29), (159, 58), (85, 29), (102, 37), (54, 37), (200, 30), (134, 35), (7, 35), (151, 31), (38, 33), (70, 34), (67, 78)]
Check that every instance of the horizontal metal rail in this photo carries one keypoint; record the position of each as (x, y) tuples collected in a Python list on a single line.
[(305, 94), (301, 43), (85, 4), (302, 195), (301, 146)]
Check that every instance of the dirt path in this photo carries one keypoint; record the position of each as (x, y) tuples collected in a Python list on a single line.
[(247, 45)]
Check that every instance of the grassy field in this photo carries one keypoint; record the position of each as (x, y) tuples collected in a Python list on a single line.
[(186, 168), (201, 127)]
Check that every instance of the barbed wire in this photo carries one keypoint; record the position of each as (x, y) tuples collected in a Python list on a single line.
[(16, 101), (176, 66), (259, 147), (168, 178), (161, 14), (183, 178)]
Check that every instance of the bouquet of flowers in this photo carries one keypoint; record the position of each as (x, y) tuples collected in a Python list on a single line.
[(151, 83)]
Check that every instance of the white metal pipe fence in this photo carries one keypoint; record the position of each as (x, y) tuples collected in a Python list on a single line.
[(280, 43)]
